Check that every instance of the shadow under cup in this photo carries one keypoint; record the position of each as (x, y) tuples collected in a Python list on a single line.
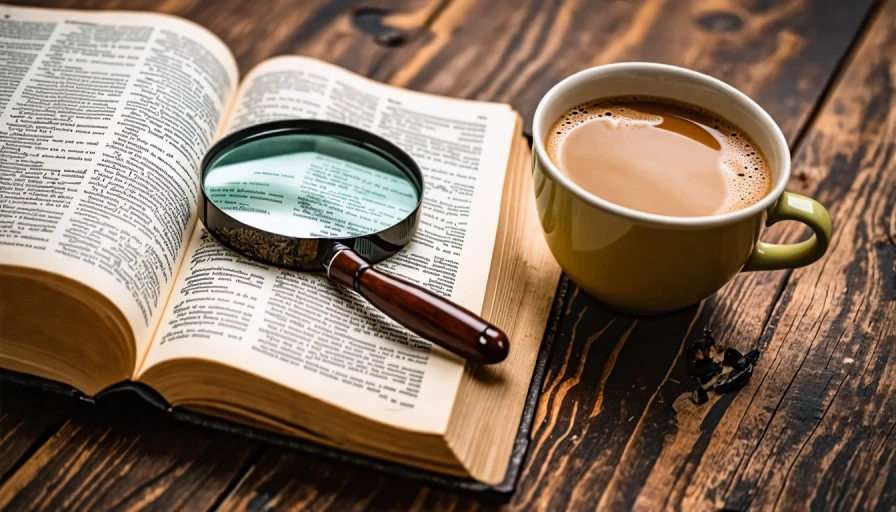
[(646, 263)]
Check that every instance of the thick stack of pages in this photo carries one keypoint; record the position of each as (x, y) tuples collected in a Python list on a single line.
[(107, 276)]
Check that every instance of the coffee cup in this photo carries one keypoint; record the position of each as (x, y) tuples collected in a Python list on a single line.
[(645, 263)]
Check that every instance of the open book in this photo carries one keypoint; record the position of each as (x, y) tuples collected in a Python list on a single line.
[(106, 276)]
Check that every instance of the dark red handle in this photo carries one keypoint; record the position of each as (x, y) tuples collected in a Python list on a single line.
[(431, 317)]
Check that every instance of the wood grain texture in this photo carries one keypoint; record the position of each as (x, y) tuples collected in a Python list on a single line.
[(26, 419), (120, 455), (781, 53), (344, 32), (813, 429)]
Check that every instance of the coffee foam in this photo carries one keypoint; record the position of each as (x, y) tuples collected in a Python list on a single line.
[(748, 175)]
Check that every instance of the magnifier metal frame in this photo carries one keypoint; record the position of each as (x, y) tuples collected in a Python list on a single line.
[(348, 260)]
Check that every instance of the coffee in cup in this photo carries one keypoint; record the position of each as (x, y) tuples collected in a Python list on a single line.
[(659, 156)]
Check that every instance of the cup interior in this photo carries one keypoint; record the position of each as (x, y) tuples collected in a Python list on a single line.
[(648, 79)]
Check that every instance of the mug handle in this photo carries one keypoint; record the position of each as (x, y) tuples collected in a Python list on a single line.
[(801, 209)]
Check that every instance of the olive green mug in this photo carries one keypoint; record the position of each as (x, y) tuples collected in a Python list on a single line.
[(645, 263)]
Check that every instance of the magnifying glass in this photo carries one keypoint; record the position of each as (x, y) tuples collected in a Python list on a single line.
[(319, 196)]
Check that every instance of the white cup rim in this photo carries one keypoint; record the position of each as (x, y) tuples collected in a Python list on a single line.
[(651, 218)]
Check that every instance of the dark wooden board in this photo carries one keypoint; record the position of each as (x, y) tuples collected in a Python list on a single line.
[(120, 455), (26, 420), (613, 427), (782, 53), (344, 32)]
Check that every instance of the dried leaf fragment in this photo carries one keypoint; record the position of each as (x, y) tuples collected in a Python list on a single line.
[(718, 367)]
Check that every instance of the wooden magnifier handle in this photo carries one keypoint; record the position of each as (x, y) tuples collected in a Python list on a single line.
[(421, 311)]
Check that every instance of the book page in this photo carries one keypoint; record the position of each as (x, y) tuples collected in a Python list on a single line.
[(104, 118), (303, 331)]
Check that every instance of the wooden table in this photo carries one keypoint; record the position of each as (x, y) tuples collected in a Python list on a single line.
[(614, 427)]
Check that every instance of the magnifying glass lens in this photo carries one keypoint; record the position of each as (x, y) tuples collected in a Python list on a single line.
[(310, 186)]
